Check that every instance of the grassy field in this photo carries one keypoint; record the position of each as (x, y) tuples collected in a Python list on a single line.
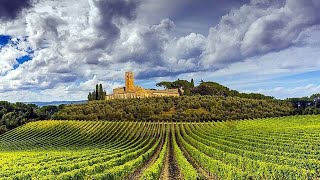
[(275, 148)]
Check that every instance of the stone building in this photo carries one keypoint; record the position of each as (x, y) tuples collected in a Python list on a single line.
[(132, 91)]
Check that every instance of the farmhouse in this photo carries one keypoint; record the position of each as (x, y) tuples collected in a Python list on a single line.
[(132, 91)]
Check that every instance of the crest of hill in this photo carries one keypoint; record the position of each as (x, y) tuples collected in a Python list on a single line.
[(209, 101), (185, 108)]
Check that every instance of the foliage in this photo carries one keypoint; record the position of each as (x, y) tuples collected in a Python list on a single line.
[(13, 115), (208, 88), (78, 149), (306, 105), (186, 168), (97, 94), (185, 108), (213, 88), (178, 84)]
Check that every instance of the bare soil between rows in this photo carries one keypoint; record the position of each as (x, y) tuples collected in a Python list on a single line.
[(138, 172)]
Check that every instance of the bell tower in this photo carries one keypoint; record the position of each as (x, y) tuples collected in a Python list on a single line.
[(129, 81)]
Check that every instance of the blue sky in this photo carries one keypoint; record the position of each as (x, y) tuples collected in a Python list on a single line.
[(58, 50), (22, 60), (4, 40)]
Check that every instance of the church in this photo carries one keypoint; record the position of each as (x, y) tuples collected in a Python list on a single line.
[(132, 91)]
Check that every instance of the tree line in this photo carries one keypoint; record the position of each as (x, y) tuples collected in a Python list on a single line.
[(208, 88), (306, 105), (13, 115)]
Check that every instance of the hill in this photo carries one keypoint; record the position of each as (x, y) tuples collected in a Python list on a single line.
[(184, 108), (275, 148)]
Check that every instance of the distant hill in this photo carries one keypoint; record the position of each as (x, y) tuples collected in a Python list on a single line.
[(55, 103)]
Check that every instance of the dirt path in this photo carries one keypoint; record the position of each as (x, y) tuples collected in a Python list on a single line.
[(171, 168), (165, 174), (138, 172)]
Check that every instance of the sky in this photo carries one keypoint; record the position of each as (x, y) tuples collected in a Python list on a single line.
[(54, 50)]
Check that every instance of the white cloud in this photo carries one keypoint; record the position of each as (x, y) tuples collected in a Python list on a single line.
[(8, 56), (78, 43), (284, 92)]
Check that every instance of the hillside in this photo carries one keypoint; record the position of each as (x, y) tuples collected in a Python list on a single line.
[(275, 148), (184, 108)]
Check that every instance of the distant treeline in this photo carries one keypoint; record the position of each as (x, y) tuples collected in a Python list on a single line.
[(185, 108), (13, 115), (306, 105)]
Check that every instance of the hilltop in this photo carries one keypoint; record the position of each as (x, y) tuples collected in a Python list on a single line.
[(184, 108)]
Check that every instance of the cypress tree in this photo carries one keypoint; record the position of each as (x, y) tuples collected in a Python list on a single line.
[(192, 83), (100, 92), (97, 92)]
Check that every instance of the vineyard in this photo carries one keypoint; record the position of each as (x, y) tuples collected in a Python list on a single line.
[(273, 148)]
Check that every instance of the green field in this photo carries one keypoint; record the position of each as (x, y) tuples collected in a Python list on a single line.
[(275, 148)]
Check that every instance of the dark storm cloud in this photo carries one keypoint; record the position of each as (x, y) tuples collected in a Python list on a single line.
[(112, 11), (10, 9)]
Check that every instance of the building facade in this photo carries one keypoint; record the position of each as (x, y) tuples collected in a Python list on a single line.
[(132, 91)]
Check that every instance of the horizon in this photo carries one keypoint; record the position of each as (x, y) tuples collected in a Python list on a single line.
[(58, 51)]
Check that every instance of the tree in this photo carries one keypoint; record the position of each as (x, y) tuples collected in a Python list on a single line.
[(97, 92), (102, 94), (90, 97), (192, 83), (315, 98), (46, 112), (211, 88), (165, 84)]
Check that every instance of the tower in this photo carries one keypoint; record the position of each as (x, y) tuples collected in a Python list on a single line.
[(129, 81)]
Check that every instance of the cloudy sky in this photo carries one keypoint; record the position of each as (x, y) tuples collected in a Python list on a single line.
[(58, 50)]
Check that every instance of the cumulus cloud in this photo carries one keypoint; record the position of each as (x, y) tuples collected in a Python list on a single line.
[(145, 44), (82, 41), (8, 56), (112, 13), (68, 38), (256, 30), (284, 92)]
